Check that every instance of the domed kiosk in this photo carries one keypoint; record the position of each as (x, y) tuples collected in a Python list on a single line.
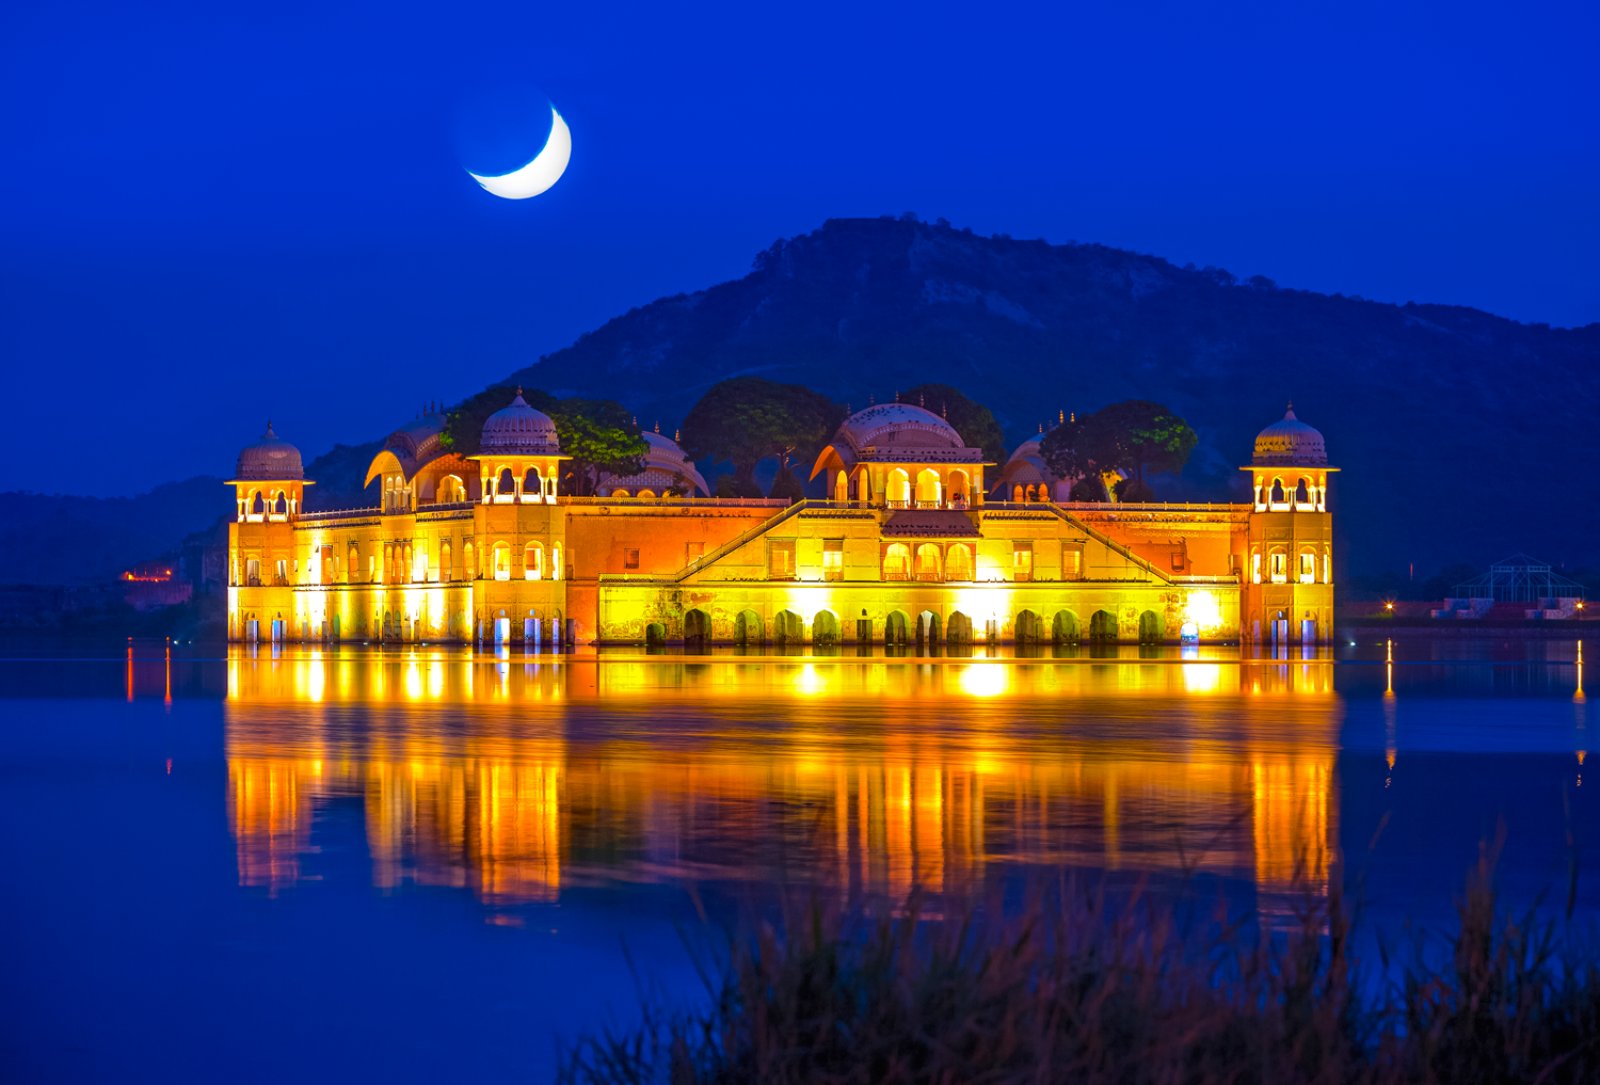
[(1290, 442), (269, 479), (519, 455), (902, 456), (519, 430), (1289, 565)]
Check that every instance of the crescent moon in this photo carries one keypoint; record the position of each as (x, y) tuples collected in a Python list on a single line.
[(537, 176)]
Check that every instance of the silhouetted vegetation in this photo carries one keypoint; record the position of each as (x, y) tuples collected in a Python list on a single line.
[(1131, 437), (1080, 989), (748, 419)]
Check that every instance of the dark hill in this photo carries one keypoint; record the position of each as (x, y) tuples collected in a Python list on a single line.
[(1462, 435), (52, 539)]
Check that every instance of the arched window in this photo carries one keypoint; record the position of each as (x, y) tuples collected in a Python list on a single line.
[(928, 488), (469, 560), (647, 493), (505, 487), (960, 487), (447, 569), (1278, 497), (929, 563), (841, 487), (280, 505), (533, 562), (897, 562), (258, 507), (408, 567), (898, 492), (1280, 567), (532, 485), (452, 490), (555, 562), (619, 492), (1302, 495), (958, 562), (1308, 567), (1017, 493), (502, 561), (352, 565)]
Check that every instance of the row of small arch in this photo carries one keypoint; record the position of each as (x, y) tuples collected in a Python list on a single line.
[(901, 628)]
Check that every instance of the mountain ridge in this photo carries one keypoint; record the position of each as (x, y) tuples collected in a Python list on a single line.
[(860, 308)]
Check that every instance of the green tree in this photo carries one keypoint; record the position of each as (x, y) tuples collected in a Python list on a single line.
[(747, 419), (602, 439), (1080, 449), (599, 435), (1133, 437), (971, 419), (1146, 436)]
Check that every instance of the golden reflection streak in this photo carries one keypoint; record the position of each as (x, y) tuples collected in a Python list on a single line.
[(883, 799)]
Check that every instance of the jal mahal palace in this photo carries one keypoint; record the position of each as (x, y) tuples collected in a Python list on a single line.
[(914, 545)]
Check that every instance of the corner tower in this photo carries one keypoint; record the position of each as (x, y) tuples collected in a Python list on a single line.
[(269, 484), (1288, 573)]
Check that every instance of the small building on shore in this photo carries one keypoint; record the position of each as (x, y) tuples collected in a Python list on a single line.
[(1518, 588)]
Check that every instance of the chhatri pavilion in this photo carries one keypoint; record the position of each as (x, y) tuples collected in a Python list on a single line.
[(913, 544)]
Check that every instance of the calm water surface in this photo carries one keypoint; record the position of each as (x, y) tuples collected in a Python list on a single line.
[(325, 863)]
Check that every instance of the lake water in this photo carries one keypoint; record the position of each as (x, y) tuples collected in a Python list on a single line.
[(255, 863)]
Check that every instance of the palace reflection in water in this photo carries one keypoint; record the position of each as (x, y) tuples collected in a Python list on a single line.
[(520, 777)]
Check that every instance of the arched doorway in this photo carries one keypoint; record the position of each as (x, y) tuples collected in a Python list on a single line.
[(898, 490), (747, 631), (958, 562), (927, 629), (959, 629), (928, 489), (787, 628), (1102, 626), (841, 487), (655, 635), (1028, 628), (930, 563), (960, 488), (897, 562), (1064, 630), (825, 629), (696, 628), (896, 632), (1151, 628)]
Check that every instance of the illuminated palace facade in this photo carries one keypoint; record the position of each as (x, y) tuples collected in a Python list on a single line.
[(913, 544)]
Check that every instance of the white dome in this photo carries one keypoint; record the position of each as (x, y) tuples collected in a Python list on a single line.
[(519, 430), (270, 458), (888, 426), (1290, 442), (666, 466)]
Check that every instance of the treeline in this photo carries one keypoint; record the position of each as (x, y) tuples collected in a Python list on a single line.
[(745, 422)]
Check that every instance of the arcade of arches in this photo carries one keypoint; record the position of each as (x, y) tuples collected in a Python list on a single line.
[(900, 548)]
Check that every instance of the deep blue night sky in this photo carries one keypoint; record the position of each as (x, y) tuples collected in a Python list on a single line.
[(209, 218)]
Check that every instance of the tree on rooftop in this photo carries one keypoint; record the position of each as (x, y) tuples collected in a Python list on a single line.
[(1131, 437), (748, 419), (601, 437)]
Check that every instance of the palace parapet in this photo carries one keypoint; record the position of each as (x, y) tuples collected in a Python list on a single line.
[(904, 550)]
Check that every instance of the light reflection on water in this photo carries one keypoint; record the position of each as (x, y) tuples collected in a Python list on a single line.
[(206, 850), (518, 777)]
